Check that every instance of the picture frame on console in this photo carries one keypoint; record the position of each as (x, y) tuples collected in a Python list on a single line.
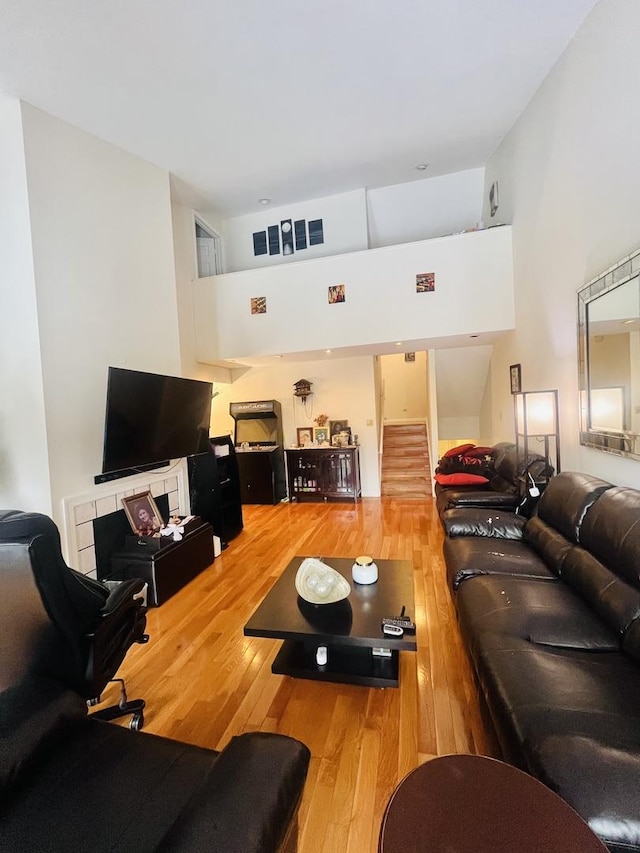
[(143, 514), (321, 435), (305, 436)]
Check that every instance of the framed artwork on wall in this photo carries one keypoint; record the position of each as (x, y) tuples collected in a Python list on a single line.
[(515, 375)]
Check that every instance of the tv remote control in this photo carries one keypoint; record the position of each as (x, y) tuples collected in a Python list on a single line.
[(403, 622)]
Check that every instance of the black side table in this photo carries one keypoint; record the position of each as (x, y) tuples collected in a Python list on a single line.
[(164, 564)]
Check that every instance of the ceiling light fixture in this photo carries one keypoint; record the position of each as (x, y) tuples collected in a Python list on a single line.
[(422, 166), (264, 201), (328, 351), (399, 343)]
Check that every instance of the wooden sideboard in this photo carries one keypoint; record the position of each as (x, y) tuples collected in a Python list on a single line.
[(323, 473)]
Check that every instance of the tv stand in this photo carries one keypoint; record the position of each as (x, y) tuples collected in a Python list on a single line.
[(164, 564)]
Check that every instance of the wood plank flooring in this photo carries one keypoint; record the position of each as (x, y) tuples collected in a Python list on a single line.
[(204, 681)]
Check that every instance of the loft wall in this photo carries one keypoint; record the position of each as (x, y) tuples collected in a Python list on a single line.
[(473, 295), (569, 182), (24, 470)]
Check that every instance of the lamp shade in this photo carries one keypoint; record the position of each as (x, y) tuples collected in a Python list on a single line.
[(536, 413)]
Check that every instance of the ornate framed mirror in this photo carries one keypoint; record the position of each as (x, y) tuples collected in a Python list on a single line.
[(609, 359)]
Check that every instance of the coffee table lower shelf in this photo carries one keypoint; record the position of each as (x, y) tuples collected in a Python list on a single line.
[(345, 664)]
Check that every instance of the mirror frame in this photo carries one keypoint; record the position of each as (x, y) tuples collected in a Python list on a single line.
[(623, 442)]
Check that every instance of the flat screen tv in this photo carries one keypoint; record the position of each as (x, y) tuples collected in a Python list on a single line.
[(152, 418)]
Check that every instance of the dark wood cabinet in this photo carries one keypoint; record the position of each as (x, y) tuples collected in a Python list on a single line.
[(214, 488), (262, 479), (323, 473)]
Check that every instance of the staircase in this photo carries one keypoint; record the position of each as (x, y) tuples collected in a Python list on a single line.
[(405, 461)]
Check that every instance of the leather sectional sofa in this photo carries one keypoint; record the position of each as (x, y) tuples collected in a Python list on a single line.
[(497, 473), (549, 608)]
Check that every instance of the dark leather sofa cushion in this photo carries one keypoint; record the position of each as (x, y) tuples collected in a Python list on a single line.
[(475, 521), (35, 714), (611, 532), (540, 612), (599, 781), (468, 556), (534, 691), (566, 500), (613, 599)]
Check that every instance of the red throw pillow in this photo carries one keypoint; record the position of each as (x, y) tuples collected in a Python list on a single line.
[(479, 451), (458, 451), (460, 479)]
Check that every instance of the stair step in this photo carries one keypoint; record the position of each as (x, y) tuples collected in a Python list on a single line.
[(412, 463), (405, 474), (403, 491)]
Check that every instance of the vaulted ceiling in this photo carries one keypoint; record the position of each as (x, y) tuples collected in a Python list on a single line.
[(242, 99)]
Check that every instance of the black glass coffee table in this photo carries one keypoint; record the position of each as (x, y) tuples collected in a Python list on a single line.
[(357, 650)]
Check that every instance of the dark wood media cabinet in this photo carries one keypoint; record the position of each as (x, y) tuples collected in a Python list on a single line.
[(323, 473), (165, 565)]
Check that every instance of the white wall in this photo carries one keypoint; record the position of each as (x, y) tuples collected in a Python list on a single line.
[(344, 219), (104, 272), (419, 210), (381, 300), (344, 389), (405, 387), (569, 182), (24, 471)]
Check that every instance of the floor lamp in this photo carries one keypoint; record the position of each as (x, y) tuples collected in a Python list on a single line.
[(537, 428)]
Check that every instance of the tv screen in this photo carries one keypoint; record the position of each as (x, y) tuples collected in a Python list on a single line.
[(151, 418)]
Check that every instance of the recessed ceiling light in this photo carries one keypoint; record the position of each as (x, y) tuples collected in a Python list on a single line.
[(279, 356), (399, 343), (264, 201), (328, 351), (422, 166), (626, 322)]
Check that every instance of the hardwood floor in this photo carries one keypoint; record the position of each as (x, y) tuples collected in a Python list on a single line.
[(204, 681)]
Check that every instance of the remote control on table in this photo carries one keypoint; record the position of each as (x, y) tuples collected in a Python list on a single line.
[(401, 622), (392, 630)]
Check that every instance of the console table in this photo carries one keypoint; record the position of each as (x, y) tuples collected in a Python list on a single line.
[(164, 564), (323, 473)]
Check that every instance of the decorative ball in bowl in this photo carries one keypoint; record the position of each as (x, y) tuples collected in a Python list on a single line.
[(318, 583)]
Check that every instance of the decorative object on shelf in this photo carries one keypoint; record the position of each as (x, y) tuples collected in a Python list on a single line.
[(536, 416), (338, 426), (143, 514), (258, 304), (321, 436), (318, 583), (493, 199), (515, 376), (321, 420), (364, 570), (425, 282), (337, 293), (302, 388), (305, 436)]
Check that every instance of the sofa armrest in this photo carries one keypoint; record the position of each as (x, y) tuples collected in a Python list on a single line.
[(475, 521), (248, 800)]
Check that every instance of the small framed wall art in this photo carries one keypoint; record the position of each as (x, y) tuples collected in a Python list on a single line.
[(258, 304), (425, 282), (515, 377)]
